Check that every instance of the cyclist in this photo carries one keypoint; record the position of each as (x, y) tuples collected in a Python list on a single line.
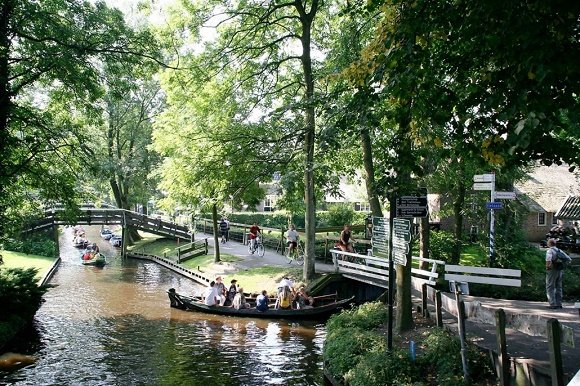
[(224, 228), (254, 233), (292, 240), (346, 240)]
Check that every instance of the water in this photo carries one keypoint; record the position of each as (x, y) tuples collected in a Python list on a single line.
[(113, 326)]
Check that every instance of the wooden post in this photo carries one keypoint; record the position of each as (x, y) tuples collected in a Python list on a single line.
[(326, 247), (424, 300), (461, 326), (504, 362), (554, 333), (438, 308)]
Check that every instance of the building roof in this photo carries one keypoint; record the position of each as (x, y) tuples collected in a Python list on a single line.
[(547, 187), (570, 209)]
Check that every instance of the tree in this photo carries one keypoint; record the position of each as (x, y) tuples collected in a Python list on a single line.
[(260, 41), (53, 51)]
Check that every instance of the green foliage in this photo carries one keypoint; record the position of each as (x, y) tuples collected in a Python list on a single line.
[(340, 214), (366, 316), (19, 292), (442, 352), (441, 245), (344, 347), (381, 367), (33, 245)]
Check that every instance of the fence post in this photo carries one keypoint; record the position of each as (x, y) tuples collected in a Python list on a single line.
[(461, 327), (504, 363), (424, 311), (206, 247), (554, 334), (438, 307)]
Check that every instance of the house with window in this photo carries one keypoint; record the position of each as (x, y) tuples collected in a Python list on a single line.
[(543, 194)]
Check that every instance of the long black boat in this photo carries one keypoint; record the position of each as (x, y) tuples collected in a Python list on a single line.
[(319, 312)]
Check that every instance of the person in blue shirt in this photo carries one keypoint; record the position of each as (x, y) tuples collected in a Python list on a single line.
[(262, 301)]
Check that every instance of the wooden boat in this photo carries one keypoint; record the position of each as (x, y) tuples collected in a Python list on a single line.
[(80, 242), (95, 258), (318, 312)]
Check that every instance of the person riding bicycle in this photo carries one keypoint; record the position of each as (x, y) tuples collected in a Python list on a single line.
[(346, 240), (292, 240), (254, 233), (224, 229)]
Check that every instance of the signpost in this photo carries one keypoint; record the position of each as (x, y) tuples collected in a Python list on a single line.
[(505, 195), (401, 240), (494, 205), (380, 238), (412, 205), (487, 182)]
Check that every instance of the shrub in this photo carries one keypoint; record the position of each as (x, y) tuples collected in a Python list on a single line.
[(366, 316), (344, 347), (441, 245), (383, 368), (33, 245), (441, 355)]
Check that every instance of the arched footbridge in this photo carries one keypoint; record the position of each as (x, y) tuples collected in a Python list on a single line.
[(113, 216)]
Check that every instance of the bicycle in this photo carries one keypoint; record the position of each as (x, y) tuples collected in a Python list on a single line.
[(297, 255), (256, 246)]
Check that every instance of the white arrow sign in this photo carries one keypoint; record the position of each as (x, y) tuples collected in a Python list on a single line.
[(482, 186), (484, 178), (505, 195)]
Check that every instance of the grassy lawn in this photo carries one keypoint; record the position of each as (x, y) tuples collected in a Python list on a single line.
[(22, 260), (474, 255), (155, 245)]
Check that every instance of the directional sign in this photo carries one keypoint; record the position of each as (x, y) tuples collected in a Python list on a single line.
[(399, 258), (482, 186), (412, 205), (411, 201), (494, 205), (484, 178), (401, 224), (401, 239), (381, 236), (505, 195)]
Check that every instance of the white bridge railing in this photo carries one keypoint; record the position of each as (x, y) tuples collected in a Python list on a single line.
[(375, 270)]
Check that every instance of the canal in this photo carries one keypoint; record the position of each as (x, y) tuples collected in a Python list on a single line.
[(113, 326)]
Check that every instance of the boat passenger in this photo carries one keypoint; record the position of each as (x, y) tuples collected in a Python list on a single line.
[(303, 300), (95, 247), (240, 300), (232, 291), (285, 299), (262, 301), (220, 290), (210, 295), (286, 282)]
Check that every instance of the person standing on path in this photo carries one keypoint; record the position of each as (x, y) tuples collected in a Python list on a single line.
[(553, 276)]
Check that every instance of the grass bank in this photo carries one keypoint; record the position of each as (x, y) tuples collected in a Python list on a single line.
[(22, 260)]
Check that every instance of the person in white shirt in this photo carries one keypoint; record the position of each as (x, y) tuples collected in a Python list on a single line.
[(210, 295), (292, 239), (220, 290), (286, 282)]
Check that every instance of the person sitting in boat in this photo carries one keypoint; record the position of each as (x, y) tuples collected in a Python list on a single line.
[(232, 291), (262, 301), (286, 282), (210, 295), (240, 300), (88, 255), (303, 300), (285, 299), (94, 247), (220, 290)]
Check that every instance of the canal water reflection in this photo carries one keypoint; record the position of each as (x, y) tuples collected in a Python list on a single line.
[(113, 326)]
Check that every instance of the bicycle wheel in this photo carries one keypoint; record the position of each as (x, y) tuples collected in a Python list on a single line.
[(299, 257), (261, 250), (250, 249), (288, 255)]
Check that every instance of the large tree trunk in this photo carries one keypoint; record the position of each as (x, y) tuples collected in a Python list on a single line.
[(369, 171), (309, 136), (5, 105)]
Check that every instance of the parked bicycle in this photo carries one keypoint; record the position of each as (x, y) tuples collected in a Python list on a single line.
[(256, 246)]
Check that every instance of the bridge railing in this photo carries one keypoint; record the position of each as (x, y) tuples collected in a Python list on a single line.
[(375, 270)]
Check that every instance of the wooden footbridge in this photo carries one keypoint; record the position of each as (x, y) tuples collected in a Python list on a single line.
[(113, 216)]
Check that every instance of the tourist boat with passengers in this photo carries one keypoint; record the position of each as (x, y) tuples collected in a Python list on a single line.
[(90, 257), (324, 307)]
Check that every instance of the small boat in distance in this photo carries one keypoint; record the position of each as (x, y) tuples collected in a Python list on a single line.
[(106, 233), (329, 304)]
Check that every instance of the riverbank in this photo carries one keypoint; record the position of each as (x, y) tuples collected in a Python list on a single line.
[(21, 260)]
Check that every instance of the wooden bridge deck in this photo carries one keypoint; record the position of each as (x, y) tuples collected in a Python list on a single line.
[(102, 216)]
